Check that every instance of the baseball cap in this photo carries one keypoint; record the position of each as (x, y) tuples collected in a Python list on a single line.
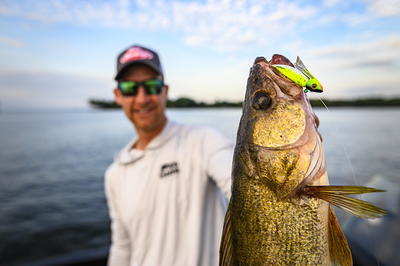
[(137, 54)]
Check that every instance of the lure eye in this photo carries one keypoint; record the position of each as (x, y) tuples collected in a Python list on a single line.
[(261, 101), (314, 85)]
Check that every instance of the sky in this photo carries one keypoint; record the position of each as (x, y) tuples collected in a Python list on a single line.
[(60, 53)]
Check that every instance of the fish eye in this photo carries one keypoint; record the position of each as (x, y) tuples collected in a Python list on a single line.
[(314, 85), (261, 101)]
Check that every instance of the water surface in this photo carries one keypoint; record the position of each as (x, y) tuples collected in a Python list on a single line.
[(52, 166)]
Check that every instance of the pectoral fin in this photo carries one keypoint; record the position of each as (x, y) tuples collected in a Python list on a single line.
[(337, 196), (338, 247), (225, 250)]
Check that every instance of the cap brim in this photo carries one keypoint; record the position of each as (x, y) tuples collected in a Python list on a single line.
[(140, 62)]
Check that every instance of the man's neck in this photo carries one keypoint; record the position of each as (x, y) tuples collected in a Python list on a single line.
[(144, 137)]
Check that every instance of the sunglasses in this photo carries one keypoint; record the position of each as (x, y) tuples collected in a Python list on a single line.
[(130, 88)]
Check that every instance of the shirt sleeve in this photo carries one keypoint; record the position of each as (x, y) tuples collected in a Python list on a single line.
[(119, 254), (218, 152)]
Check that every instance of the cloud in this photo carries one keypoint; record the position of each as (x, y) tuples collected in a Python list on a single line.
[(384, 8), (11, 42), (374, 10), (384, 53), (368, 91), (374, 62), (330, 3), (347, 61), (224, 25), (233, 25), (362, 68), (121, 14), (20, 88)]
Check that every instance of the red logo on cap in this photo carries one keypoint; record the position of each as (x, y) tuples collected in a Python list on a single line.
[(135, 53)]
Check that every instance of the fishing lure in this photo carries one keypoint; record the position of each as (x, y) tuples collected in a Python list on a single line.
[(300, 75)]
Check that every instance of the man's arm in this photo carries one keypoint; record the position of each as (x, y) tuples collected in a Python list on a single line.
[(120, 244), (218, 155)]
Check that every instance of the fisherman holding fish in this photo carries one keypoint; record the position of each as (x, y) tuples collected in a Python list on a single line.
[(167, 189)]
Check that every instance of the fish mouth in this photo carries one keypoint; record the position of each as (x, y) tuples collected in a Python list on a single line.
[(260, 59), (278, 59), (280, 86)]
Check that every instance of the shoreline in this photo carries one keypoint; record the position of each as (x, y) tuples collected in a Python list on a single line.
[(316, 103)]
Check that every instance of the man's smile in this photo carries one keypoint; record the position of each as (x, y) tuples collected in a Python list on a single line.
[(144, 110)]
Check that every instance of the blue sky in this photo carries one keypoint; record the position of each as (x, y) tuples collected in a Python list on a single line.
[(58, 54)]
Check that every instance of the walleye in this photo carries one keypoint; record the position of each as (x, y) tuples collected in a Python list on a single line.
[(280, 212)]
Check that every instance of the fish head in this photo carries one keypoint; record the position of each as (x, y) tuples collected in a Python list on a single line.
[(275, 108), (277, 119)]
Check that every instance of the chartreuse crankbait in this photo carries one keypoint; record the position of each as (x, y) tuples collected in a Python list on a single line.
[(300, 75)]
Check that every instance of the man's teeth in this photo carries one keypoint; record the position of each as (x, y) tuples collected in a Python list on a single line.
[(144, 110)]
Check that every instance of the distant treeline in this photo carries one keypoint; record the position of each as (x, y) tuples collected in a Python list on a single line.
[(182, 102), (190, 103)]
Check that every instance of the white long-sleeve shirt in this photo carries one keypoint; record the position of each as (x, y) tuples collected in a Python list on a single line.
[(165, 202)]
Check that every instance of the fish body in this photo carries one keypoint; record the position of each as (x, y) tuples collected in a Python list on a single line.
[(300, 75), (276, 215)]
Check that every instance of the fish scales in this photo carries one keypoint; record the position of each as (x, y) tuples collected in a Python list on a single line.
[(264, 223), (279, 212)]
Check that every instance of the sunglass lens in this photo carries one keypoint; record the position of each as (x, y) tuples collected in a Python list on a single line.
[(128, 87), (153, 86)]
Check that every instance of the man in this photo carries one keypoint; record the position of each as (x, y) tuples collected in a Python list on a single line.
[(167, 189)]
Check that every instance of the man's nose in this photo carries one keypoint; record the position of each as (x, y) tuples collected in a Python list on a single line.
[(142, 96)]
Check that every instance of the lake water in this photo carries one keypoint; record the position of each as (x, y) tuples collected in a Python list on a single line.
[(52, 164)]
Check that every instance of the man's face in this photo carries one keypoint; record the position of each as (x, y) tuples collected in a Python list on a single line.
[(146, 112)]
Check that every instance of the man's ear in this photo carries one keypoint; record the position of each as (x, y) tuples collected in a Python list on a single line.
[(117, 96)]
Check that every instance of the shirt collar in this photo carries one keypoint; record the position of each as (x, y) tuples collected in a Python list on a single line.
[(129, 155), (167, 132)]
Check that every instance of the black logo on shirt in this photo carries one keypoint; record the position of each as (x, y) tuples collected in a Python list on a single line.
[(169, 169)]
